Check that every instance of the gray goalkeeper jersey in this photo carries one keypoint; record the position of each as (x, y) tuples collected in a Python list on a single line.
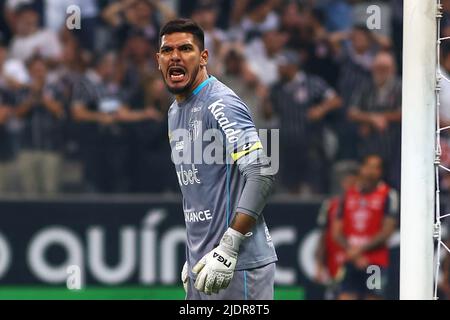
[(211, 134)]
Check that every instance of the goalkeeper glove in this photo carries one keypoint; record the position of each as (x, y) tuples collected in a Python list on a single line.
[(216, 269), (184, 276)]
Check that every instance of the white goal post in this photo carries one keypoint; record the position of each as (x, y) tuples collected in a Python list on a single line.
[(418, 149)]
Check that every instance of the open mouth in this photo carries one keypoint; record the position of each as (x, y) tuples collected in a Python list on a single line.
[(177, 74)]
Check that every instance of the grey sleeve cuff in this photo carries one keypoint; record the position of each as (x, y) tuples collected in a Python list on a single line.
[(258, 185)]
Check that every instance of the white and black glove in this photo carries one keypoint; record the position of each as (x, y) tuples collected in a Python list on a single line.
[(184, 276), (216, 269)]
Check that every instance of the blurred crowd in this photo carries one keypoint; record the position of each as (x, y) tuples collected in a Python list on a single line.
[(84, 109)]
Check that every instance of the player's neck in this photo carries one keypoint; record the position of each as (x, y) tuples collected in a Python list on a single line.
[(201, 76)]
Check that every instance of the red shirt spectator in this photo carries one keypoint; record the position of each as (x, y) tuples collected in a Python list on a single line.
[(365, 221)]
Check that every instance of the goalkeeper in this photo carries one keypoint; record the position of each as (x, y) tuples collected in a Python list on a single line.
[(230, 254)]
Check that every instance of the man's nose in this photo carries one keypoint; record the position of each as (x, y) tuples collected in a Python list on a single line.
[(175, 56)]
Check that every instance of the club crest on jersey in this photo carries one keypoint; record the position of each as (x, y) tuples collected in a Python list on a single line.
[(179, 145), (194, 128)]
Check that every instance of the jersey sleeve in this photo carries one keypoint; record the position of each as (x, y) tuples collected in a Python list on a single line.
[(231, 117), (242, 146)]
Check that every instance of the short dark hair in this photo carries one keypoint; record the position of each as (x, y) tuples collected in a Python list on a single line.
[(25, 7), (184, 25), (367, 156)]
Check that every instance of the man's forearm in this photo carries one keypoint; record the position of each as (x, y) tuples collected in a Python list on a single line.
[(378, 241), (356, 115), (332, 104), (258, 186)]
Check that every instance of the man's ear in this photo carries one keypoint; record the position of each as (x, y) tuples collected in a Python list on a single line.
[(204, 58)]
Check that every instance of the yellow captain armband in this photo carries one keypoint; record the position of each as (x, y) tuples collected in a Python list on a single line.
[(245, 149)]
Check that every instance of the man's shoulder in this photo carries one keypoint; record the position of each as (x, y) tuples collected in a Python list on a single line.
[(218, 92)]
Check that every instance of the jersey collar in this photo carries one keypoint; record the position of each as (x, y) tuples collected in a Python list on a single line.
[(202, 85)]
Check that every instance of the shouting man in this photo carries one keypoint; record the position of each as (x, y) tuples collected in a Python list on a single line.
[(230, 254)]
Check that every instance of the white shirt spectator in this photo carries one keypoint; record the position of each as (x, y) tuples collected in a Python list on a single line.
[(239, 32), (42, 42), (260, 63), (270, 23)]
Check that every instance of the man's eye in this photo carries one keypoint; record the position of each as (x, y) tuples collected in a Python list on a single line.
[(165, 50), (185, 48)]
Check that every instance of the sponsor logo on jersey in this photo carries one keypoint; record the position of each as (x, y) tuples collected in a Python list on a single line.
[(187, 177), (224, 123), (196, 109), (197, 216)]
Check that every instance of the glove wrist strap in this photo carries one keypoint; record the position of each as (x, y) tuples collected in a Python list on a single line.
[(231, 241)]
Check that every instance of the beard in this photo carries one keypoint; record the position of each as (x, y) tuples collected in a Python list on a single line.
[(185, 89)]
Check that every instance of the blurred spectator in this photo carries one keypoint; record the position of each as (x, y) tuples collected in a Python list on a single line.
[(308, 35), (56, 14), (95, 104), (129, 16), (102, 113), (6, 152), (261, 55), (258, 19), (225, 7), (366, 219), (301, 101), (376, 109), (149, 154), (29, 39), (72, 66), (5, 31), (14, 78), (242, 81), (41, 112), (144, 121), (329, 255), (205, 14), (137, 61), (355, 52), (338, 14)]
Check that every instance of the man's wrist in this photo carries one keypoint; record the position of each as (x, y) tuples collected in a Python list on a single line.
[(231, 241)]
